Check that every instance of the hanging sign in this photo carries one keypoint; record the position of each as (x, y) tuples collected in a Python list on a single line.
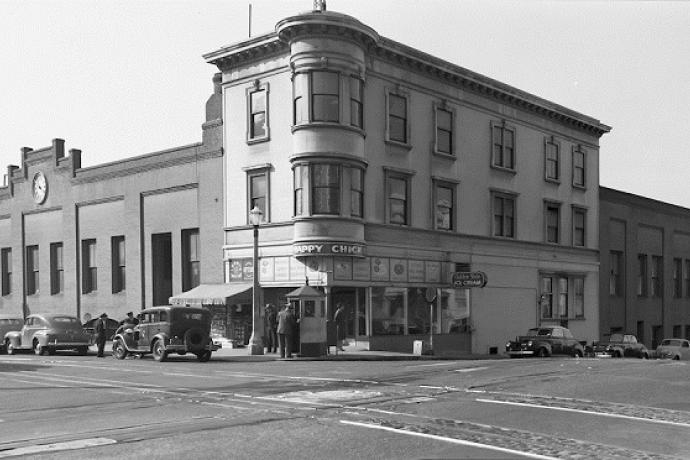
[(469, 279)]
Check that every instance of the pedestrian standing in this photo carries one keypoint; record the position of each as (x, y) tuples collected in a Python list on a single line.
[(339, 319), (130, 319), (101, 332), (286, 327), (271, 325)]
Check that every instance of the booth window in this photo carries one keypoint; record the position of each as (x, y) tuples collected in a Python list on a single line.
[(257, 113), (579, 157), (191, 265), (6, 270), (32, 274), (503, 146), (503, 215), (117, 248), (89, 269), (57, 279)]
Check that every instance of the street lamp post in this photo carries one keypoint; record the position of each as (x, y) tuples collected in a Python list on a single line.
[(256, 346)]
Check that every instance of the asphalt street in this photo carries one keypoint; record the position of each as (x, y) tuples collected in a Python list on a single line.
[(235, 406)]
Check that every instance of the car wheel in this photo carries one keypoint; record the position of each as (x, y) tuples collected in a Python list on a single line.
[(676, 358), (617, 354), (644, 356), (9, 348), (82, 351), (543, 353), (204, 356), (38, 349), (119, 350), (578, 354), (158, 351)]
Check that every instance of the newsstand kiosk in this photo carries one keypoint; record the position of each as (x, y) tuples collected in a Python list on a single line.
[(310, 306)]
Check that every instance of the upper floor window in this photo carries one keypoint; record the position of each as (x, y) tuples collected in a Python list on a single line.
[(503, 146), (398, 197), (579, 219), (657, 276), (444, 131), (356, 106), (557, 297), (677, 278), (328, 188), (552, 222), (117, 249), (616, 276), (642, 275), (397, 115), (579, 171), (444, 206), (32, 280), (257, 113), (686, 278), (579, 297), (316, 97), (57, 275), (191, 260), (503, 215), (6, 271), (89, 268), (552, 152), (258, 187)]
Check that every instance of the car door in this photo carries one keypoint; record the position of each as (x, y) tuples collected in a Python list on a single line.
[(685, 350), (557, 342), (144, 330), (31, 325)]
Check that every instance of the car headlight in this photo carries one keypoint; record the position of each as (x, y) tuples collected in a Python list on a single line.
[(529, 343)]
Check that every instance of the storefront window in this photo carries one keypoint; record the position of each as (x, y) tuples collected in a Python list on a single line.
[(388, 311), (455, 311), (418, 310)]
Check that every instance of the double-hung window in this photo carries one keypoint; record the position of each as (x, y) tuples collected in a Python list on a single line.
[(257, 113), (562, 296), (579, 170), (6, 271), (32, 273), (579, 220), (502, 146), (686, 277), (258, 190), (677, 278), (397, 128), (328, 188), (191, 264), (503, 215), (356, 192), (444, 131), (117, 250), (316, 97), (89, 268), (57, 278), (444, 205), (398, 198), (552, 222), (616, 273), (325, 189), (642, 285), (552, 153), (356, 106), (657, 276)]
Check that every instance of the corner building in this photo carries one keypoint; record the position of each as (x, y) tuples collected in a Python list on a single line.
[(381, 171)]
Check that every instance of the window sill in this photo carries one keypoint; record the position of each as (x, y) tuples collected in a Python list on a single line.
[(398, 144), (445, 156), (503, 169), (327, 124), (258, 140), (579, 187), (552, 181)]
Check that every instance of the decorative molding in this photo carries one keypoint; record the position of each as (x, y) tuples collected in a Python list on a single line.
[(176, 188), (110, 199)]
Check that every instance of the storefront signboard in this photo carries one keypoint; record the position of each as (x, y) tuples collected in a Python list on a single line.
[(415, 271), (469, 279), (361, 269), (433, 272), (330, 248), (379, 269)]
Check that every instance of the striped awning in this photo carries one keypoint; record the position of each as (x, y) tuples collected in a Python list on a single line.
[(215, 294)]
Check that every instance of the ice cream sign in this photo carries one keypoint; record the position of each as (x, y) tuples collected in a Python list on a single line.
[(321, 248)]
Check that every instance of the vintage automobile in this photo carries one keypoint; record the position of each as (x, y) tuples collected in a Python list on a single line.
[(545, 341), (619, 346), (9, 323), (164, 330), (676, 349), (111, 327), (48, 333)]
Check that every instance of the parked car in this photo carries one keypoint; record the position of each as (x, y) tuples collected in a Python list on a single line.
[(676, 349), (167, 329), (619, 346), (111, 328), (48, 333), (545, 341), (9, 323)]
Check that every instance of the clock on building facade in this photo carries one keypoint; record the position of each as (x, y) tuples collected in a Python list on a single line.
[(39, 187)]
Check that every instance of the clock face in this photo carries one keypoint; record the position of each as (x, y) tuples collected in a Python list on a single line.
[(39, 187)]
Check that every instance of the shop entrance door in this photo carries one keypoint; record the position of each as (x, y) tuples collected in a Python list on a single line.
[(354, 301)]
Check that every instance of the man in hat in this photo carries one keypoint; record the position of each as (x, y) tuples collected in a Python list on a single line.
[(101, 328), (286, 327), (271, 325), (130, 319)]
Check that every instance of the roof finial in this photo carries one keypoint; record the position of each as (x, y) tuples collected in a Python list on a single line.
[(320, 5)]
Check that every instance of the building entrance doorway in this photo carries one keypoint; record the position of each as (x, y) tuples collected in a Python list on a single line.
[(354, 300), (161, 267)]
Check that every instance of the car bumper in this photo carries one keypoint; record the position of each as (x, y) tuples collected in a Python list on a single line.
[(63, 344), (520, 352), (182, 348)]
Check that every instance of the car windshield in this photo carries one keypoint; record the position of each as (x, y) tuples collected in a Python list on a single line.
[(539, 331), (670, 343)]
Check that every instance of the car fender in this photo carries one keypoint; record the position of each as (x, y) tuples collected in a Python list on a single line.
[(543, 344), (160, 336), (123, 339), (15, 338)]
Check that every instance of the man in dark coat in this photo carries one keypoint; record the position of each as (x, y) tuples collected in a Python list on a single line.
[(271, 326), (339, 320), (101, 332), (286, 328), (130, 319)]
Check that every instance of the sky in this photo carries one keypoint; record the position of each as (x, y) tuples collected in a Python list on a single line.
[(123, 78)]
